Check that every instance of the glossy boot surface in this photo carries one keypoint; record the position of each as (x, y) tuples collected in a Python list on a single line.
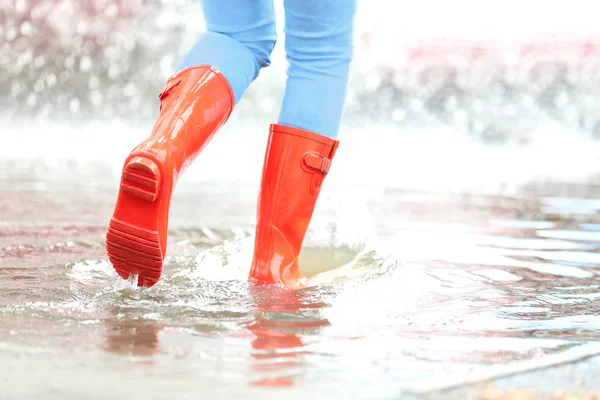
[(194, 104), (296, 163)]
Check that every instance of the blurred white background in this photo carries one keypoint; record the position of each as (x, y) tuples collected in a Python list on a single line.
[(445, 95)]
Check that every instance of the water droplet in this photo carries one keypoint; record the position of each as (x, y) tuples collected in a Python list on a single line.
[(51, 80), (85, 64), (39, 85), (39, 61), (20, 5), (129, 90), (74, 104), (111, 10), (96, 98), (26, 28), (31, 100), (69, 62)]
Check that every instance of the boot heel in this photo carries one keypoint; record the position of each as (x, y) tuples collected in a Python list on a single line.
[(134, 251), (141, 178)]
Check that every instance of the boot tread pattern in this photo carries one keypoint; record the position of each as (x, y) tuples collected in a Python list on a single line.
[(134, 251)]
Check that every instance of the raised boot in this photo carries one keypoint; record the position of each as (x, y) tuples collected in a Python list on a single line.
[(295, 165), (193, 106)]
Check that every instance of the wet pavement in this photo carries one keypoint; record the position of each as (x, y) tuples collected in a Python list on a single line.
[(413, 292)]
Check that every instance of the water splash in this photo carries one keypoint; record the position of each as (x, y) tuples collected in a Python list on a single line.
[(447, 296)]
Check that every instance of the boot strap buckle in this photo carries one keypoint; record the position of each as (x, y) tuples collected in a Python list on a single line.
[(321, 164), (325, 165)]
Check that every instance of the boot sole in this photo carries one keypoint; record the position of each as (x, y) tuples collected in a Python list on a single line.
[(133, 241)]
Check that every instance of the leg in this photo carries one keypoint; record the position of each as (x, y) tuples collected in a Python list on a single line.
[(195, 103), (318, 44), (302, 146), (238, 42)]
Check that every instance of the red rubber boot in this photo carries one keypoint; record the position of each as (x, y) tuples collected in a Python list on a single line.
[(194, 105), (295, 166)]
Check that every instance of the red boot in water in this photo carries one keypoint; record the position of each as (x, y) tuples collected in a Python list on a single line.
[(194, 105), (296, 162)]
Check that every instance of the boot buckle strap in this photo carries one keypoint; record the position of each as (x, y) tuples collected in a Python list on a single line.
[(169, 86), (321, 164)]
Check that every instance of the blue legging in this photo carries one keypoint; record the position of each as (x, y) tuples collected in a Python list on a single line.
[(318, 43)]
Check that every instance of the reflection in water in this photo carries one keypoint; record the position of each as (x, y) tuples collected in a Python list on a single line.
[(273, 351), (133, 339), (444, 289), (277, 345)]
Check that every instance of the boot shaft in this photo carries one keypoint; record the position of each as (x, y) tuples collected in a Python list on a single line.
[(194, 104), (296, 163)]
